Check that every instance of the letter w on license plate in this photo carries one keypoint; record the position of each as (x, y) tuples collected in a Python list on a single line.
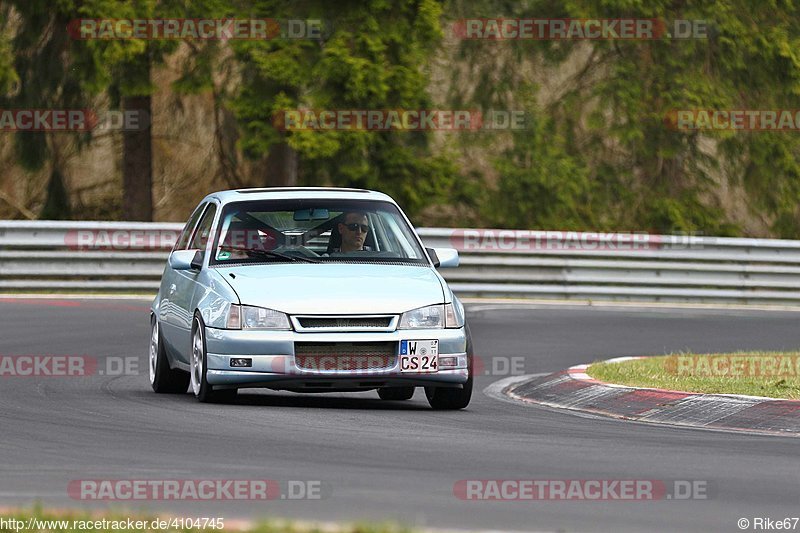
[(419, 356)]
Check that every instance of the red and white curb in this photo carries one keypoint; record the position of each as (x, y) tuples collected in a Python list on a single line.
[(575, 390)]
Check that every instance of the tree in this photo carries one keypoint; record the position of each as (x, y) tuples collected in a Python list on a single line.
[(549, 187), (614, 109), (372, 56), (8, 76), (128, 65), (48, 70)]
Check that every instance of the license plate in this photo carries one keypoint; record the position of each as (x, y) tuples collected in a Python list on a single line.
[(419, 356)]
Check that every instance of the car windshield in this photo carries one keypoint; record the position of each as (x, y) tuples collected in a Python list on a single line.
[(314, 231)]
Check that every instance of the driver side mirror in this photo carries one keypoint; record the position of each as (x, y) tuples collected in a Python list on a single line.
[(186, 260), (197, 261), (443, 257)]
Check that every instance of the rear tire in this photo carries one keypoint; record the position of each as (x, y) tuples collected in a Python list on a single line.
[(204, 392), (396, 393), (163, 379)]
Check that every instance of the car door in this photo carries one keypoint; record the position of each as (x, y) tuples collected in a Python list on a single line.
[(178, 287)]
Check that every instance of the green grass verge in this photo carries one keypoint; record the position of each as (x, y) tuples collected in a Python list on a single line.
[(116, 522), (771, 374)]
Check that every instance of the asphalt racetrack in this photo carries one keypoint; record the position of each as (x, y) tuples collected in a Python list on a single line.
[(389, 460)]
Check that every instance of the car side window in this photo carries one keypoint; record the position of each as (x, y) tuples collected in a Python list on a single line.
[(183, 240), (398, 241), (204, 229)]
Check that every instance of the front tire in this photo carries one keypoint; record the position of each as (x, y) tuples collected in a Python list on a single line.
[(442, 398), (163, 379), (450, 399), (396, 393), (204, 392)]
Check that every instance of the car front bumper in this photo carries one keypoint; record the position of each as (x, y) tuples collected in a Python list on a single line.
[(273, 362)]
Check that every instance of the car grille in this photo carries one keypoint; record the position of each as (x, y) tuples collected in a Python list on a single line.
[(309, 322), (345, 356)]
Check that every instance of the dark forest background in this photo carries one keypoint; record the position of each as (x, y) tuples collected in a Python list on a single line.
[(598, 151)]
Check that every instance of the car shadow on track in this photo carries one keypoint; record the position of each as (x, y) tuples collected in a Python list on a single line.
[(251, 398), (325, 401)]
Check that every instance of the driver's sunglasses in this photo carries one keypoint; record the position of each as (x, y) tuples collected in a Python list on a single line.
[(355, 226)]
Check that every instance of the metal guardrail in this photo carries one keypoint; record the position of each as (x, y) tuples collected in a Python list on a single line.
[(129, 257)]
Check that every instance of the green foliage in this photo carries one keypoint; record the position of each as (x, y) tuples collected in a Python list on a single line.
[(752, 373), (8, 75), (123, 65), (599, 153), (613, 110), (40, 69), (541, 185), (373, 58)]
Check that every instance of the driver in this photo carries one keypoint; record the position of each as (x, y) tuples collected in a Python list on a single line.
[(354, 231)]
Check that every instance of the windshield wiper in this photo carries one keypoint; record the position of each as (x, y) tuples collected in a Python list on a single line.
[(270, 253)]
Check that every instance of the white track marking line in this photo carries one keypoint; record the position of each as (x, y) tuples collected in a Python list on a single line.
[(495, 390)]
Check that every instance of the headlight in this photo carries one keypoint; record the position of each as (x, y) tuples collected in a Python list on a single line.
[(247, 317), (431, 317), (424, 317)]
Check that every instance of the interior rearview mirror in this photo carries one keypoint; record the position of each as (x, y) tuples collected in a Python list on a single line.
[(311, 214)]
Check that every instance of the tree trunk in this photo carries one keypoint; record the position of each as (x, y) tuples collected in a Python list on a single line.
[(137, 163), (56, 206), (281, 166)]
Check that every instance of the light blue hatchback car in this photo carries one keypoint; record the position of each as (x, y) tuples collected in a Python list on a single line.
[(308, 290)]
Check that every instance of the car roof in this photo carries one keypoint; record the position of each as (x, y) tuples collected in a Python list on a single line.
[(288, 193)]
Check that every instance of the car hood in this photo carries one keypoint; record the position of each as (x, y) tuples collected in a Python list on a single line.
[(335, 288)]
